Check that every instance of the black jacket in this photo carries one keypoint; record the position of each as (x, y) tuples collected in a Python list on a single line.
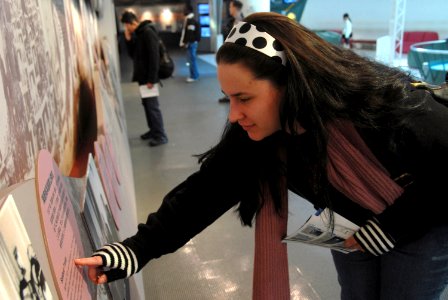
[(192, 31), (144, 50), (420, 148), (230, 22)]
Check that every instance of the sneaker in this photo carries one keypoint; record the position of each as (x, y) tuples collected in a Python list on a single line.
[(223, 100), (189, 79), (156, 142), (146, 136)]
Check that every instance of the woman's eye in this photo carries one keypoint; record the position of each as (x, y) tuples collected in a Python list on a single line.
[(244, 99)]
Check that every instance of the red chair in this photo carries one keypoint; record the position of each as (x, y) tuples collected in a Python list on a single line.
[(413, 37)]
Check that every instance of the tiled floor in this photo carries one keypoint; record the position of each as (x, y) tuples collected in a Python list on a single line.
[(216, 264)]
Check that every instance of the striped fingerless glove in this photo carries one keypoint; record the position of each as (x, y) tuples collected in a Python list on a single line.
[(373, 239), (120, 260)]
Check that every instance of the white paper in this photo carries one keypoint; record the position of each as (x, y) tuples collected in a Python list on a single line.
[(316, 229), (146, 92)]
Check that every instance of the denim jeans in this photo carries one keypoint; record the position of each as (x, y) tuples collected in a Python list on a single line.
[(191, 58), (154, 117), (414, 271)]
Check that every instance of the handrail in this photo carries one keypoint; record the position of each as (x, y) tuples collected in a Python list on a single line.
[(432, 64), (418, 47)]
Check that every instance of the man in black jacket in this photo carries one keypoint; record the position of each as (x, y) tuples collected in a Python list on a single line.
[(142, 43), (236, 15)]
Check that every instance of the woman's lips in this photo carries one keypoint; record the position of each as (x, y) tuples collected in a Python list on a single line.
[(247, 127)]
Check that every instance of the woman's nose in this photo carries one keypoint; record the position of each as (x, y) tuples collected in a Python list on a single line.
[(235, 112)]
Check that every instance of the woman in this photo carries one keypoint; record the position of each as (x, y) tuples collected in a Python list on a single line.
[(341, 131), (347, 31)]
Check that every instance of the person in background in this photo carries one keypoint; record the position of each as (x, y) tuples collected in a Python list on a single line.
[(347, 32), (190, 37), (342, 131), (236, 15), (143, 46)]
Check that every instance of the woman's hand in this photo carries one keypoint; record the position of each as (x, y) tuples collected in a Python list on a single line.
[(94, 264), (351, 243), (118, 260), (372, 238)]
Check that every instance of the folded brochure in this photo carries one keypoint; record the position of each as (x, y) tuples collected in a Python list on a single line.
[(146, 92), (317, 230)]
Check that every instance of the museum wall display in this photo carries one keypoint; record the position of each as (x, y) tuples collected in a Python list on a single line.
[(61, 110)]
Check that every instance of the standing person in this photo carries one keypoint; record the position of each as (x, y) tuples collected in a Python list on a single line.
[(191, 35), (236, 15), (342, 131), (143, 46), (347, 32)]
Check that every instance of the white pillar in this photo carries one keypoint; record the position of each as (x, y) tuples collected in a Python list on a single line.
[(251, 6), (215, 21), (396, 30)]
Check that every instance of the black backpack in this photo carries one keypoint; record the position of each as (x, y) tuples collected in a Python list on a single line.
[(166, 64)]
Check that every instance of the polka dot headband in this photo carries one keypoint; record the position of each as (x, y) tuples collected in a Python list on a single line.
[(249, 35)]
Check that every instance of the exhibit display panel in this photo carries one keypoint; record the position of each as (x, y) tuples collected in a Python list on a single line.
[(22, 274), (65, 218), (62, 114), (61, 231)]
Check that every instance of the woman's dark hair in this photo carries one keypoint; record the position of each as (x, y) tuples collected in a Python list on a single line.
[(323, 82)]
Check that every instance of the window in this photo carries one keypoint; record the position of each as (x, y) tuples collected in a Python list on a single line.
[(204, 19)]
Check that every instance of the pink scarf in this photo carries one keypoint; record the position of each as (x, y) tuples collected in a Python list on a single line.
[(271, 277), (355, 172)]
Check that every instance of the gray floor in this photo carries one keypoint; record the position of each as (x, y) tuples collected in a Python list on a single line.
[(216, 264)]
